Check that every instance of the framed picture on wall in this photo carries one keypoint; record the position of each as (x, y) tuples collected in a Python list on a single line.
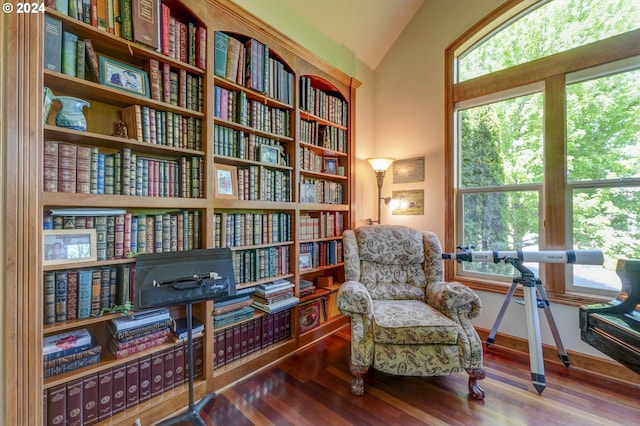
[(408, 171)]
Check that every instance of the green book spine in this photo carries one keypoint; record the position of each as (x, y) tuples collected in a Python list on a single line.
[(125, 19), (69, 53), (52, 44), (85, 278), (49, 297), (80, 59), (220, 54)]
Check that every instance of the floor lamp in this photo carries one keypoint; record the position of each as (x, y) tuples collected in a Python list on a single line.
[(380, 166)]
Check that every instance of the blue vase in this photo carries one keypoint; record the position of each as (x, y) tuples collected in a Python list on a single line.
[(70, 115)]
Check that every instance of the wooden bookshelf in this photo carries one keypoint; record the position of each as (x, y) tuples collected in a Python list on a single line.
[(27, 202)]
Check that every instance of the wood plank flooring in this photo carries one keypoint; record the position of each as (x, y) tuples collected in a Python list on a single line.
[(312, 388)]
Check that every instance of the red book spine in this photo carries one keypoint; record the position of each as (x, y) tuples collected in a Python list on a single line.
[(228, 343), (144, 371), (119, 386), (57, 405), (164, 31), (67, 167), (74, 403), (105, 394), (179, 358), (72, 295), (90, 399), (133, 380), (157, 374), (153, 68), (166, 82), (198, 362), (50, 169), (201, 49), (168, 369)]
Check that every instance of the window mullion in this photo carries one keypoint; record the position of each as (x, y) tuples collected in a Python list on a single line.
[(554, 199)]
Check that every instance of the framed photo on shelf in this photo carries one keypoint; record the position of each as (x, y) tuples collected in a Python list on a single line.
[(226, 182), (331, 165), (310, 316), (307, 193), (305, 260), (269, 154), (121, 76), (62, 246)]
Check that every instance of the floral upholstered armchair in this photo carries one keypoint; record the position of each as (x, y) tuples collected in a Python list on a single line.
[(405, 320)]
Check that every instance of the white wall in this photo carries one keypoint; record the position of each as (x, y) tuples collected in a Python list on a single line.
[(409, 122)]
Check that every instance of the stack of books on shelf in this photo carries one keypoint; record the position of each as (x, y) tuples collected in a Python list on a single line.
[(275, 296), (180, 330), (232, 310), (139, 332), (306, 288), (69, 351)]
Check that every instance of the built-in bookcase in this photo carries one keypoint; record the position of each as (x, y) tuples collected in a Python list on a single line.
[(156, 186)]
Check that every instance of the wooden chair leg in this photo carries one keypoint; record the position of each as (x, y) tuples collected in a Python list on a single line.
[(357, 383), (476, 374)]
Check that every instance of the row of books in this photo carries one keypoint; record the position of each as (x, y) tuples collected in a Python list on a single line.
[(247, 146), (68, 351), (309, 160), (260, 263), (71, 294), (84, 170), (66, 53), (231, 105), (324, 136), (166, 128), (322, 104), (248, 229), (149, 22), (321, 225), (323, 252), (100, 395), (264, 184), (306, 288), (249, 64), (244, 338), (178, 88), (275, 296), (139, 331), (126, 235), (321, 191)]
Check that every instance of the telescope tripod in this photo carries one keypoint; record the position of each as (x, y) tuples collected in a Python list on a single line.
[(532, 302)]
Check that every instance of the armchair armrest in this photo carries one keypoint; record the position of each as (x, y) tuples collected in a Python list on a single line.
[(453, 299), (353, 298)]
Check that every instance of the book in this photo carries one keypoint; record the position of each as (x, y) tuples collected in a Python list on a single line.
[(221, 44), (52, 59), (93, 350), (92, 59), (62, 282), (144, 22), (119, 386), (57, 404), (69, 53), (132, 118), (233, 316), (179, 327), (74, 403), (72, 365), (80, 59), (90, 399), (144, 375), (105, 393), (116, 344), (69, 342), (125, 352), (125, 20), (133, 333), (278, 306), (49, 297), (140, 318)]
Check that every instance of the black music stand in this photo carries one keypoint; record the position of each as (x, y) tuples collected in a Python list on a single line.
[(174, 270)]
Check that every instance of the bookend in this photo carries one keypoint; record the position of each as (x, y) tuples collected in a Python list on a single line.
[(177, 278)]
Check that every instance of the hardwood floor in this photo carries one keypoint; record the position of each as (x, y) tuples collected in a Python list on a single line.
[(312, 388)]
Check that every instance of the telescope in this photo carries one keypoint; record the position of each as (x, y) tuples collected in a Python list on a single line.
[(581, 257)]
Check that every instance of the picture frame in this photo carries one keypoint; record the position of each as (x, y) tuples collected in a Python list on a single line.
[(307, 193), (305, 261), (225, 182), (330, 165), (411, 202), (124, 77), (310, 315), (269, 154), (408, 171), (60, 246)]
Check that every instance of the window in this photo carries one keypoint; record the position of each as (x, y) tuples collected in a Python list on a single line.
[(544, 139)]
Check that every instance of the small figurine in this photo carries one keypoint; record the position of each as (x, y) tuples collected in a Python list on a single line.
[(121, 130)]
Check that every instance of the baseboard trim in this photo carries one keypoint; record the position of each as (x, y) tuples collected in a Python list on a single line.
[(606, 369)]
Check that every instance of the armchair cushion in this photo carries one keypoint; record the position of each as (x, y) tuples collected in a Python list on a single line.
[(411, 322)]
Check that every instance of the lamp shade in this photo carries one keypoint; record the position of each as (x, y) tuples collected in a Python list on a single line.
[(380, 164)]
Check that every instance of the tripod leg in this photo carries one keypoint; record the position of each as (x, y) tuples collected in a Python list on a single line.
[(536, 360), (503, 309), (562, 353)]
